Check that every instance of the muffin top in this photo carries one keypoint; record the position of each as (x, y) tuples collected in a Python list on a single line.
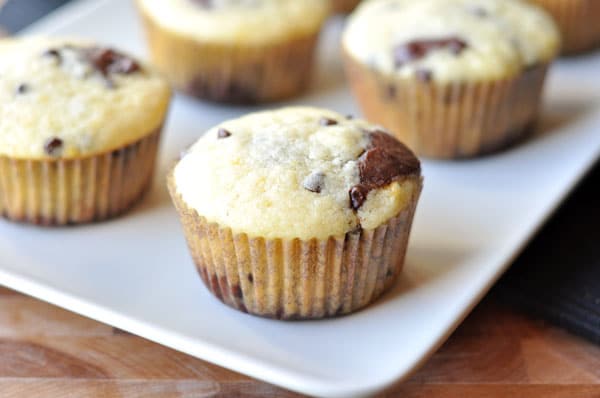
[(65, 98), (451, 40), (297, 173), (238, 21)]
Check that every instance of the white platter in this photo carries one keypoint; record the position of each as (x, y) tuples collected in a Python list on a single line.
[(474, 217)]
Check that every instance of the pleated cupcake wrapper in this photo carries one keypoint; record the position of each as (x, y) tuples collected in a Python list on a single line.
[(451, 120), (74, 191), (577, 21), (344, 6), (232, 73), (296, 279)]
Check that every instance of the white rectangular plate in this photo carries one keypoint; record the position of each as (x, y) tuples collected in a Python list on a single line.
[(474, 217)]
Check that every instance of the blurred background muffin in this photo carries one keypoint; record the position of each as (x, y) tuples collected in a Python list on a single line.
[(297, 213), (578, 21), (451, 78), (235, 51), (79, 130)]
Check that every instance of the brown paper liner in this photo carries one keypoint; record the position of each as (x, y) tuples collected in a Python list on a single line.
[(578, 21), (450, 120), (296, 279), (232, 73), (80, 190), (344, 6)]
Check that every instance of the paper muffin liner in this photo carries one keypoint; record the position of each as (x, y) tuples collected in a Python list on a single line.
[(232, 73), (80, 190), (577, 21), (296, 279), (453, 120), (344, 6)]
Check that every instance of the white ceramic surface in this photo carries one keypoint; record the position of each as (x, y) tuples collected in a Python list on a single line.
[(474, 217)]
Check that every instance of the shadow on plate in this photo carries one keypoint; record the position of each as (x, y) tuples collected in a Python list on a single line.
[(425, 266), (559, 114)]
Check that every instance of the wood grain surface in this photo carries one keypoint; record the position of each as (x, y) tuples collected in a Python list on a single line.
[(49, 352)]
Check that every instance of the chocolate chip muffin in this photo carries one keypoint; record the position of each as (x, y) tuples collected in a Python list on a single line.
[(79, 130), (297, 213), (240, 51), (451, 78), (344, 6), (577, 21)]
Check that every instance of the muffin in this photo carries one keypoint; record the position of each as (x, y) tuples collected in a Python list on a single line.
[(298, 213), (79, 130), (343, 6), (238, 51), (577, 21), (450, 78)]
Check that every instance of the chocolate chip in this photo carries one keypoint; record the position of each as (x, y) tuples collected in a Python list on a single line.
[(314, 182), (250, 278), (358, 196), (418, 49), (22, 88), (385, 160), (479, 11), (53, 146), (222, 133), (424, 75), (203, 3), (107, 61), (325, 121), (356, 230), (390, 91), (237, 292), (53, 54), (109, 84)]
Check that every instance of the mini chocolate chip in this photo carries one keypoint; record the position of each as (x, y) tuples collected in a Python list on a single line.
[(53, 53), (325, 121), (222, 133), (203, 3), (424, 75), (22, 88), (107, 61), (391, 91), (479, 11), (53, 146), (237, 291), (418, 49), (109, 84), (314, 182), (279, 313), (358, 196), (532, 67), (250, 278), (356, 230)]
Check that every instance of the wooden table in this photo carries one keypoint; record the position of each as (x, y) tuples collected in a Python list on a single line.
[(49, 352)]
